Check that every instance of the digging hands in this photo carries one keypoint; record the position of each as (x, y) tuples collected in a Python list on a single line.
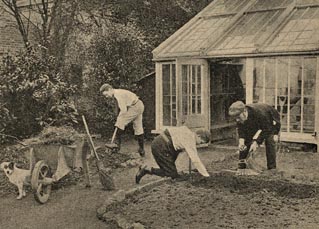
[(242, 148), (241, 145), (252, 149)]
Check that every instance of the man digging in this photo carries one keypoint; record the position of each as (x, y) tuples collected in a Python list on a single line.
[(168, 145), (256, 123), (131, 110)]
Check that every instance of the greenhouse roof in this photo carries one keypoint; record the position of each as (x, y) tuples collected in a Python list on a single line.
[(241, 27)]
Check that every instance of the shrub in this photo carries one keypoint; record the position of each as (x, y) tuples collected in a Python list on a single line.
[(35, 93), (119, 59)]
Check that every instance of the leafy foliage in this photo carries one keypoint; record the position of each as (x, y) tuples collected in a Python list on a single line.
[(116, 58), (120, 51), (88, 43), (157, 20), (36, 94)]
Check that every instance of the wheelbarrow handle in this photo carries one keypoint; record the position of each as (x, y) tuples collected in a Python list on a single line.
[(90, 138)]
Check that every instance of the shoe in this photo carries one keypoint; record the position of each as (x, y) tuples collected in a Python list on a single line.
[(141, 172), (181, 177), (242, 164), (140, 140), (141, 152)]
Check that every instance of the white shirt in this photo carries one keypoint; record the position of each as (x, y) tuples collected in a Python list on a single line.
[(184, 138), (124, 99)]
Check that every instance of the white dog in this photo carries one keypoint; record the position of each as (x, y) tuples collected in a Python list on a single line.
[(16, 176)]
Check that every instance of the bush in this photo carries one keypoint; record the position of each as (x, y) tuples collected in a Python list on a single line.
[(117, 58), (35, 94)]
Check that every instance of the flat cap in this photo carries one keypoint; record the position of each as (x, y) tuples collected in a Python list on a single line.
[(236, 108)]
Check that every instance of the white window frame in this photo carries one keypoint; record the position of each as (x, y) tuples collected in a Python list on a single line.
[(190, 92), (159, 93), (302, 137)]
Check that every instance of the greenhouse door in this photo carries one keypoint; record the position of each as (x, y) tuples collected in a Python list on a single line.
[(169, 95), (193, 93)]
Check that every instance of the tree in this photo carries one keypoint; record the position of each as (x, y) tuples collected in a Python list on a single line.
[(47, 23), (12, 8), (83, 44)]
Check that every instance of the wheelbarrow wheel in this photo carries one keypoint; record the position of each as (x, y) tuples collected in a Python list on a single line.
[(41, 188)]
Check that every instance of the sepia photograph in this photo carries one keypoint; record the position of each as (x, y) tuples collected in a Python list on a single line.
[(159, 114)]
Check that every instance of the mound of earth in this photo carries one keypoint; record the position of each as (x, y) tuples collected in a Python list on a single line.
[(287, 199), (224, 201), (63, 135), (113, 160)]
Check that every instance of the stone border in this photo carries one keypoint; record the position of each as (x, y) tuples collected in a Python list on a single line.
[(119, 197)]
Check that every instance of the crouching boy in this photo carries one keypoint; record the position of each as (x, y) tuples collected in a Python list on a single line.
[(168, 145)]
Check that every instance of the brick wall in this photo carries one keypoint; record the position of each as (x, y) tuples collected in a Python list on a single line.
[(10, 38)]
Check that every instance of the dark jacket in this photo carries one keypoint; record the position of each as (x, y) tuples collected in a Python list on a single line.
[(260, 117)]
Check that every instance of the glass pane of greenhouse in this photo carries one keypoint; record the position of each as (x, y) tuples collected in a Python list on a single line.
[(300, 32), (191, 89), (282, 66), (270, 91), (288, 84), (309, 87), (169, 95), (295, 74)]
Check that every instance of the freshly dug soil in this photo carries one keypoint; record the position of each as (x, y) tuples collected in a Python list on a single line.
[(113, 160), (224, 201), (288, 199)]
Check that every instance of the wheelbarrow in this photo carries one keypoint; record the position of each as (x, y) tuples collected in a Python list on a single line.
[(50, 162)]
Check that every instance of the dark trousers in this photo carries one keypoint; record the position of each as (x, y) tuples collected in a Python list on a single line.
[(271, 149), (165, 156)]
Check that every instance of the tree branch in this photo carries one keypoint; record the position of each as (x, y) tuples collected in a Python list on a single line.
[(6, 10), (12, 5), (53, 14)]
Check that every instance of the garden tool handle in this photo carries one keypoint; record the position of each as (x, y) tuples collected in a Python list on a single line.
[(250, 154), (114, 134), (90, 138), (190, 168)]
